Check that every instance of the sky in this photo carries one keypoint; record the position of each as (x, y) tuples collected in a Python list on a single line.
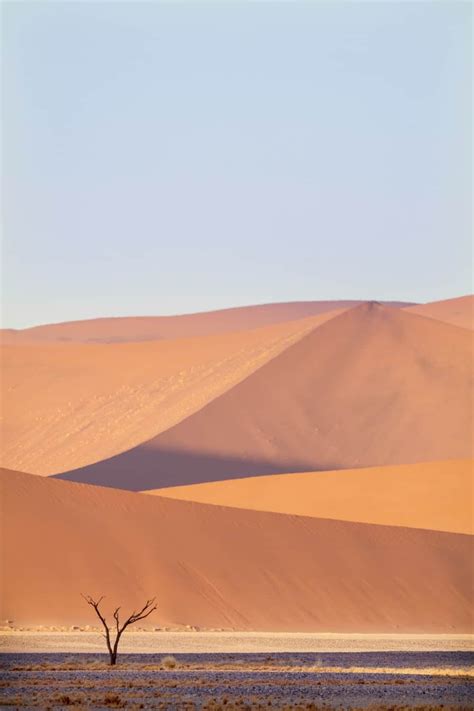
[(163, 158)]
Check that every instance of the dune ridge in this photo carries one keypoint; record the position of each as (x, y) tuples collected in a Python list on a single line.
[(458, 311), (372, 386), (213, 566), (145, 328), (68, 405), (432, 495)]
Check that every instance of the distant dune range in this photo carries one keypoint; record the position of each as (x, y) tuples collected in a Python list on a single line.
[(459, 312), (146, 328), (213, 566), (431, 495), (371, 386), (67, 405)]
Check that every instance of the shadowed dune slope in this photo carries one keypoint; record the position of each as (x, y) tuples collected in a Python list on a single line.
[(213, 566), (145, 328), (459, 311), (432, 495), (68, 405), (372, 386)]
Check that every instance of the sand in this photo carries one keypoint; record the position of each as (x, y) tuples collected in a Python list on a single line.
[(68, 405), (159, 641), (145, 328), (459, 311), (432, 495), (218, 567), (372, 386), (315, 472)]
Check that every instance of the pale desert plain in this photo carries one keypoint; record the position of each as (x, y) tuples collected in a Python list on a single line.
[(293, 483)]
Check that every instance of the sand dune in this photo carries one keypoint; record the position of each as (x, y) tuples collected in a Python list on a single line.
[(67, 405), (459, 311), (432, 495), (372, 386), (213, 566), (146, 328)]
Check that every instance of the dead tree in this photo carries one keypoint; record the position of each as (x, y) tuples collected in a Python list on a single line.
[(146, 610)]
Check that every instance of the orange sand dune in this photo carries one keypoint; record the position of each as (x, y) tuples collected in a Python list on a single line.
[(220, 567), (459, 312), (433, 495), (373, 386), (67, 405), (146, 328)]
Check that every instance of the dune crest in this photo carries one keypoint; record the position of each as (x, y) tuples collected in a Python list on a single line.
[(372, 386), (432, 495), (68, 405), (458, 311), (146, 328)]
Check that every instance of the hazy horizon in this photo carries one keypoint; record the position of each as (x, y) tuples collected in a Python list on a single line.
[(167, 158)]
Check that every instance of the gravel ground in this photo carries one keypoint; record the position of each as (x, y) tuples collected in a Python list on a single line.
[(391, 680)]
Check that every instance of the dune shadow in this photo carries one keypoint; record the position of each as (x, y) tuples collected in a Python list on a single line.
[(148, 467)]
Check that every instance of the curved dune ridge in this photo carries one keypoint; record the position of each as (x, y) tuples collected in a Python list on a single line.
[(459, 311), (431, 495), (372, 386), (146, 328), (212, 566), (68, 405)]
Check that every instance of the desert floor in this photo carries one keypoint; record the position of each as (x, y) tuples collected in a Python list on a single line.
[(328, 680), (185, 642), (217, 670)]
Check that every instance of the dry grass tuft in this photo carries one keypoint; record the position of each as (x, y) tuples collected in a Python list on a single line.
[(169, 662)]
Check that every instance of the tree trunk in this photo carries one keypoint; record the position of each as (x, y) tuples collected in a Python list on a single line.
[(114, 649)]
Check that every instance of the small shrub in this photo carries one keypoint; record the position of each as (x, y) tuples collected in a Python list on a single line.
[(169, 662)]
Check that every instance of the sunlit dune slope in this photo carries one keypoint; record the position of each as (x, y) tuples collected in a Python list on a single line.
[(67, 405), (145, 328), (213, 566), (459, 311), (372, 386), (432, 495)]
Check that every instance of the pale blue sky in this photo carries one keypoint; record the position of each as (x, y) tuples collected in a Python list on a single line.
[(175, 157)]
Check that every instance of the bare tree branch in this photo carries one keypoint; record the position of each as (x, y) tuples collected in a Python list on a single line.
[(146, 610), (117, 621), (95, 604)]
